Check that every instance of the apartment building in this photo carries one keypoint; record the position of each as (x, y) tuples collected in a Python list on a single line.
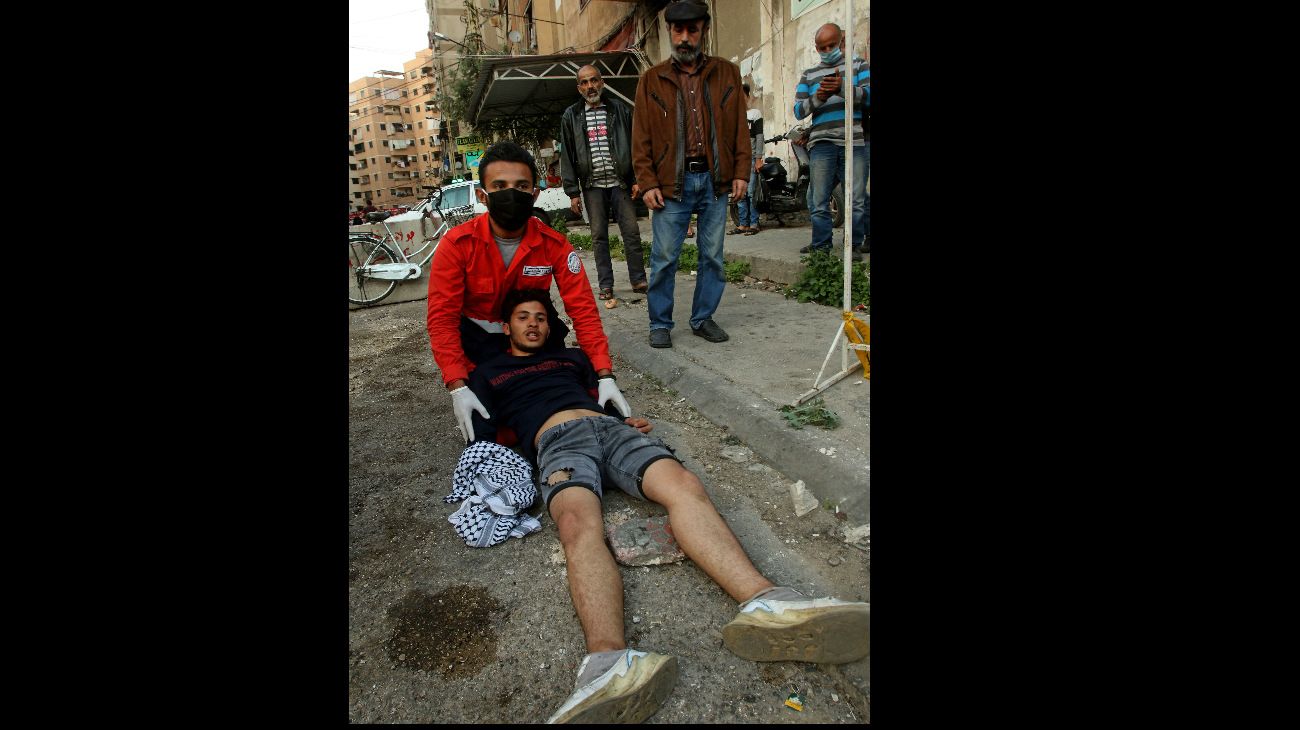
[(393, 140), (397, 136)]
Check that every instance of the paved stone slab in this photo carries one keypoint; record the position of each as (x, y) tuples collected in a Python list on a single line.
[(644, 541)]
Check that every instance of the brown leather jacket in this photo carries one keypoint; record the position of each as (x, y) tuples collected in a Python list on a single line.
[(659, 126)]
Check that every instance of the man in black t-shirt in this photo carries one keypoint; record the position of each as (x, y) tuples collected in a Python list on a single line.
[(545, 397)]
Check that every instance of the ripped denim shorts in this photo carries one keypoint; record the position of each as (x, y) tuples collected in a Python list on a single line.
[(594, 449)]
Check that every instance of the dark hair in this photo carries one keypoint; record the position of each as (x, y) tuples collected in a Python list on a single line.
[(506, 151), (745, 88), (515, 297)]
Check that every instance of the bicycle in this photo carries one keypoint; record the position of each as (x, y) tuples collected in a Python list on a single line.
[(377, 263)]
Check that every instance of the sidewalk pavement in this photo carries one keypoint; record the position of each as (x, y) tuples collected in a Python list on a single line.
[(776, 348)]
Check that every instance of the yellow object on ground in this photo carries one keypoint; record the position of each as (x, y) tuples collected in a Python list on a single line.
[(859, 332)]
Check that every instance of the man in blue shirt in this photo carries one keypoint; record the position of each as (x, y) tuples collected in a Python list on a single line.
[(821, 93)]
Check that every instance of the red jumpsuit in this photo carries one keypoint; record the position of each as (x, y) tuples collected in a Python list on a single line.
[(467, 276)]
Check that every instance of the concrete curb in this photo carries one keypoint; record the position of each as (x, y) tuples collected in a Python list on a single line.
[(762, 429)]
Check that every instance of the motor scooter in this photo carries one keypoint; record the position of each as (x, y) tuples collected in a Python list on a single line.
[(786, 197)]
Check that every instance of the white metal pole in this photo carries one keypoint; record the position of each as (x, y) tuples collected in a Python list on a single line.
[(846, 91)]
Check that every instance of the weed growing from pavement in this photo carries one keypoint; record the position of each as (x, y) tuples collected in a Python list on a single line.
[(822, 281), (559, 222), (736, 271), (814, 413)]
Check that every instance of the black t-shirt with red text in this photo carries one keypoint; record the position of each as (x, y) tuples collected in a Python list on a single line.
[(521, 392)]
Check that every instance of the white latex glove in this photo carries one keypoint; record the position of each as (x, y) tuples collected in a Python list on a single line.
[(608, 391), (463, 404)]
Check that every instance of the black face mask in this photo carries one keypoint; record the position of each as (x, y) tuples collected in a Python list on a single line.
[(510, 208)]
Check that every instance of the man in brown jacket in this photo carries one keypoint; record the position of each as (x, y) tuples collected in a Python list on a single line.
[(690, 151)]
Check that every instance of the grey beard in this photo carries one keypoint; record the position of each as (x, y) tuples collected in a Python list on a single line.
[(689, 57)]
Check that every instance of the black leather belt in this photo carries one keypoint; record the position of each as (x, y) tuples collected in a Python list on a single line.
[(697, 164)]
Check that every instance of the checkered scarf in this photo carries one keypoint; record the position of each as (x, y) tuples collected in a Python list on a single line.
[(494, 486)]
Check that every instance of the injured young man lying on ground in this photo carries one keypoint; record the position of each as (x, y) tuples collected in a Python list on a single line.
[(545, 396)]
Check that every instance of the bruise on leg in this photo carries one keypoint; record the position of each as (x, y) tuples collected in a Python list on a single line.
[(559, 475)]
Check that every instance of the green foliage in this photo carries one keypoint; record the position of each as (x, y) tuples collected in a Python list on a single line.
[(559, 222), (814, 413), (736, 270), (690, 258), (457, 88), (822, 281), (580, 241)]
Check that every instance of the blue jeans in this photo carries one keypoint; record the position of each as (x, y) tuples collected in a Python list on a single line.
[(749, 211), (669, 229), (600, 204), (825, 169)]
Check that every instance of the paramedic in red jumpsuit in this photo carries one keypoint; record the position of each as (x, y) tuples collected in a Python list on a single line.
[(478, 262)]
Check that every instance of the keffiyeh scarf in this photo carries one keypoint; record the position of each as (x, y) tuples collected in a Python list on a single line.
[(495, 486)]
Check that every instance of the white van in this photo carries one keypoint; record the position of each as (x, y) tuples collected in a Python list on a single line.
[(456, 197)]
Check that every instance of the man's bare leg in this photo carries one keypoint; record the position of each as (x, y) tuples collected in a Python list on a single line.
[(701, 531), (594, 582), (780, 625), (612, 687)]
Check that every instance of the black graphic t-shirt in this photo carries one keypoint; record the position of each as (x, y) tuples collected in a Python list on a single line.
[(521, 392)]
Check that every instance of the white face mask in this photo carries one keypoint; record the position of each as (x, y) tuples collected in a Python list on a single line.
[(753, 114)]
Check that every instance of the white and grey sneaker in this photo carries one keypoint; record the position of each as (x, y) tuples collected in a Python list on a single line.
[(628, 692), (782, 625)]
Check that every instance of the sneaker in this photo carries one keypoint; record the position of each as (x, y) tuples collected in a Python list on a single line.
[(660, 337), (628, 692), (710, 331), (818, 630)]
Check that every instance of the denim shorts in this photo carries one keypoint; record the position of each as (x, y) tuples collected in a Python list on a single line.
[(594, 449)]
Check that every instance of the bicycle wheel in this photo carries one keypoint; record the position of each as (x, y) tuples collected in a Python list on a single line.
[(364, 252)]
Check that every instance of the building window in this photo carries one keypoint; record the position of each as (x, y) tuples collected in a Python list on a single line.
[(388, 160), (371, 143), (385, 143), (357, 195), (356, 181), (407, 110), (382, 126), (422, 141), (367, 127)]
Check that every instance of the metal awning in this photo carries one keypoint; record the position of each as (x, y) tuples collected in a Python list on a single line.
[(527, 86)]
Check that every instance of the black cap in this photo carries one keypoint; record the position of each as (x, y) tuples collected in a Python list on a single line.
[(684, 11)]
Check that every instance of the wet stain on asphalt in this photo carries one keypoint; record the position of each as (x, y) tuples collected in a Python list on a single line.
[(450, 631)]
